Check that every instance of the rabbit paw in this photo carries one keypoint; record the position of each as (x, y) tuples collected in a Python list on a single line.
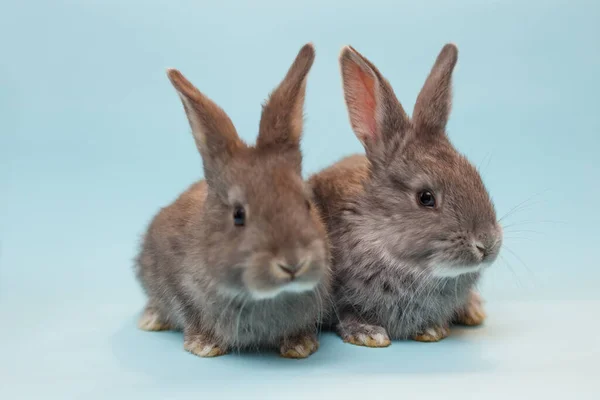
[(202, 346), (433, 334), (471, 314), (152, 321), (300, 346), (364, 335)]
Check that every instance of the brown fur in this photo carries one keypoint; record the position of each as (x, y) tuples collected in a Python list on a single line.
[(228, 286), (339, 183)]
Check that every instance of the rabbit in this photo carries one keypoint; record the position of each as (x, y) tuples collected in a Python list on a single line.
[(411, 224), (241, 259)]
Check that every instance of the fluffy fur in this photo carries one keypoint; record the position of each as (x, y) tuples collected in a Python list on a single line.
[(403, 270), (229, 286)]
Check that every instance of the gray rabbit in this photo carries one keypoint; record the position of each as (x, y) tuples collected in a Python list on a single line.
[(411, 224), (241, 259)]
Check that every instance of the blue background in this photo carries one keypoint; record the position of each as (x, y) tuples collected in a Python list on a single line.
[(93, 140)]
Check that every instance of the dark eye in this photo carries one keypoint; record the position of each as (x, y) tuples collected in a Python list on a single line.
[(239, 216), (308, 206), (426, 199)]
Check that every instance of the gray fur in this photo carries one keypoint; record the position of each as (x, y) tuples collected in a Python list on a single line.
[(386, 247)]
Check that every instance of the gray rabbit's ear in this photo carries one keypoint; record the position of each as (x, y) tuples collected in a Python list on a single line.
[(433, 105), (214, 133), (376, 115), (282, 116)]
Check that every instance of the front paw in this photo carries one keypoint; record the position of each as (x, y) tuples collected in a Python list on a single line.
[(433, 334), (300, 346), (202, 346), (472, 313), (151, 320), (364, 335)]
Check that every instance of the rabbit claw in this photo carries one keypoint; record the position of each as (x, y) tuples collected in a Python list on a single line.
[(471, 314), (202, 346), (365, 335), (300, 346), (432, 334), (151, 320)]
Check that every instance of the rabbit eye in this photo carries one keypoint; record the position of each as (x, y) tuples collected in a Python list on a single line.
[(426, 199), (308, 206), (239, 216)]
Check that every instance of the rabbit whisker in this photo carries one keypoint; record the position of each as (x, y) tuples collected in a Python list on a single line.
[(237, 325)]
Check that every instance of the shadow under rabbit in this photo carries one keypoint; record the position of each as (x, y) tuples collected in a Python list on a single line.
[(160, 355)]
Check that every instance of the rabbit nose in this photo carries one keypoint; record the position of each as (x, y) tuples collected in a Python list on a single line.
[(289, 269), (480, 248)]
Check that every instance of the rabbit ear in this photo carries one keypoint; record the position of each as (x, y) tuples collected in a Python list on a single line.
[(214, 133), (433, 105), (376, 115), (282, 116)]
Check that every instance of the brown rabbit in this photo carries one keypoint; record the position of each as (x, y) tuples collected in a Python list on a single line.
[(411, 224), (241, 259)]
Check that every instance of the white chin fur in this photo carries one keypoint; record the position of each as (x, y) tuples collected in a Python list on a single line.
[(454, 271), (292, 287)]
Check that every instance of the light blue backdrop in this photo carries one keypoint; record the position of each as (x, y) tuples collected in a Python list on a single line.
[(93, 140)]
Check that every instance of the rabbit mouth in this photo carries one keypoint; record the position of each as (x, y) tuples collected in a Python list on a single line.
[(454, 271), (291, 287)]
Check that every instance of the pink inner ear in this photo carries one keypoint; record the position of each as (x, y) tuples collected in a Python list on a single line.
[(364, 119)]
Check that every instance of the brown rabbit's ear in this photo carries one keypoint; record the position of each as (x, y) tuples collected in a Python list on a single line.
[(433, 105), (282, 116), (214, 133), (376, 115)]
